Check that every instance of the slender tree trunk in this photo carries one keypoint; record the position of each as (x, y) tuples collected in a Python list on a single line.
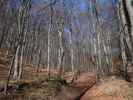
[(60, 54), (124, 58), (21, 63), (39, 60), (48, 59), (49, 31), (16, 63), (71, 51), (9, 75)]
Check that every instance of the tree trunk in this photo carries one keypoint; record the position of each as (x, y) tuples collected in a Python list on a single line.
[(16, 64), (60, 54), (127, 20), (126, 38)]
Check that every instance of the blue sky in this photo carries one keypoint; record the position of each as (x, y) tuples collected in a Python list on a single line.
[(80, 5)]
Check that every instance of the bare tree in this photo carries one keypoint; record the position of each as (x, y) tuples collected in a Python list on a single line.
[(126, 40)]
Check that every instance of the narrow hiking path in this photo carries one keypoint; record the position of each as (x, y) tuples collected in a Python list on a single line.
[(78, 88)]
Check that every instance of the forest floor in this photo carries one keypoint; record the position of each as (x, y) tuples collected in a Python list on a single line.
[(35, 86), (84, 88)]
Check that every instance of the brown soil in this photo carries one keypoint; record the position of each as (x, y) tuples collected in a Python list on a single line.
[(110, 89)]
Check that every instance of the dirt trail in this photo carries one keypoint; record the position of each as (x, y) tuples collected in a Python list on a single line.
[(110, 89), (96, 94), (79, 87)]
